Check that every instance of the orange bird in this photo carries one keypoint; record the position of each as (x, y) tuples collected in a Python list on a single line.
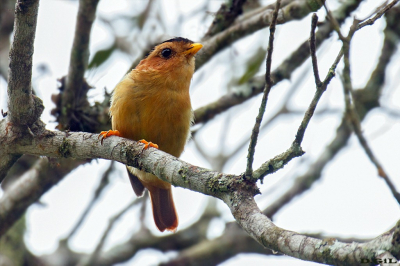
[(152, 103)]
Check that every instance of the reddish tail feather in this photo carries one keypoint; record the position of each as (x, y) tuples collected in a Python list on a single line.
[(164, 212)]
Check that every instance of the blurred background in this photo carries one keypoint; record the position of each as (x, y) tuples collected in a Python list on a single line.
[(331, 191)]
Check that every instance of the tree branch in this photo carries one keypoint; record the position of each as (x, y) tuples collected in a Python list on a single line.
[(181, 240), (328, 251), (30, 187), (225, 17), (295, 10), (76, 89), (94, 257), (104, 181), (24, 107), (256, 85), (267, 89), (235, 192), (365, 100), (351, 113)]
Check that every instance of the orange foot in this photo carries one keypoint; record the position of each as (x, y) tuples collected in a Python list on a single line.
[(148, 144), (105, 134)]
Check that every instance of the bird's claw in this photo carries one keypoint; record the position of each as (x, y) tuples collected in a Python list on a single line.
[(148, 144), (105, 134)]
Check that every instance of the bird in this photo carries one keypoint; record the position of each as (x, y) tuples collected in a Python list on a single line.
[(152, 105)]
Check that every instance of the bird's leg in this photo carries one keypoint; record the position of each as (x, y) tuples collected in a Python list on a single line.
[(105, 134), (148, 144)]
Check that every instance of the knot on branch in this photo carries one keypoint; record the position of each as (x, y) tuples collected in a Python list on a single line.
[(231, 183), (76, 114), (19, 116)]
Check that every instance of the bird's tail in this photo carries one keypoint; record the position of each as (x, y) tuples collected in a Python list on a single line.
[(164, 212)]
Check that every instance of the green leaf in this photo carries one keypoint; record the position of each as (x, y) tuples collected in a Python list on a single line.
[(253, 65), (100, 57)]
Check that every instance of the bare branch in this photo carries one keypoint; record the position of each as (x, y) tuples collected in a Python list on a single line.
[(304, 182), (295, 150), (295, 10), (104, 181), (24, 107), (313, 51), (349, 101), (225, 17), (6, 28), (181, 240), (236, 193), (6, 162), (213, 252), (267, 89), (378, 15), (30, 187), (365, 100), (75, 88), (94, 258), (328, 251), (284, 71), (317, 96)]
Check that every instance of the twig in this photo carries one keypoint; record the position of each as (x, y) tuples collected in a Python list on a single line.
[(293, 11), (283, 110), (350, 108), (348, 93), (104, 181), (94, 256), (343, 132), (378, 15), (295, 150), (180, 241), (284, 71), (313, 105), (313, 51), (267, 89), (356, 125)]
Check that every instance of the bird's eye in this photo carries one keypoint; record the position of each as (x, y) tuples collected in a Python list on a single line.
[(166, 53)]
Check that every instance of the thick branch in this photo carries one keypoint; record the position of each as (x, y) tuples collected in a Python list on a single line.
[(213, 252), (179, 173), (81, 145), (30, 187), (225, 17), (76, 88), (24, 108), (293, 11), (6, 28), (328, 251)]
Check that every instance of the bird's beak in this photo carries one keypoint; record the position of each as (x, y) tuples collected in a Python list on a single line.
[(193, 49)]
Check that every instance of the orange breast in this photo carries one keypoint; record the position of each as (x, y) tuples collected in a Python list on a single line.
[(152, 111)]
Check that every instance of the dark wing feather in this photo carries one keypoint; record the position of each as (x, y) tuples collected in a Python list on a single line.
[(136, 184)]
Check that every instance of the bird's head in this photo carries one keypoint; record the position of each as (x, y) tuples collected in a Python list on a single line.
[(174, 55)]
